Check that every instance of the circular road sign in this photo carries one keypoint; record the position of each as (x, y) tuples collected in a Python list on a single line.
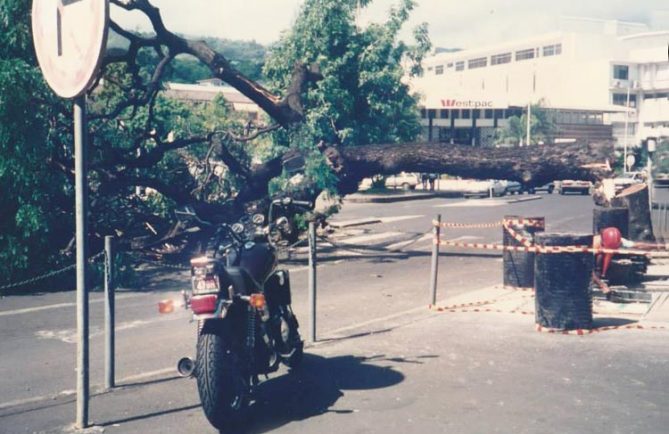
[(630, 161), (70, 38)]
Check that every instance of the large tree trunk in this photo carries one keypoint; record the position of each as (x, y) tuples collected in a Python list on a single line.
[(636, 200), (530, 165)]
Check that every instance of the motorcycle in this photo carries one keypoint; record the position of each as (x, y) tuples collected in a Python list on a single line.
[(242, 303)]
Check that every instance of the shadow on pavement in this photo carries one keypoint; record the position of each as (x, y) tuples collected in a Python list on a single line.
[(611, 322), (315, 387)]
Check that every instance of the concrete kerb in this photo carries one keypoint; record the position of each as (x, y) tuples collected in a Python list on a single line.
[(356, 222), (524, 199), (363, 198)]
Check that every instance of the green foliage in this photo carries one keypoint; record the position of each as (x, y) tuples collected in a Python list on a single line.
[(361, 98), (661, 158), (542, 127), (33, 217)]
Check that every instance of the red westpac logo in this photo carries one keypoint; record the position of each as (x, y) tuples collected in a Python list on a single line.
[(454, 103)]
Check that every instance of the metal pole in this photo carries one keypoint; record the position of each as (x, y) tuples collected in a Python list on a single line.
[(651, 193), (81, 211), (110, 336), (312, 281), (435, 262), (529, 118), (627, 109)]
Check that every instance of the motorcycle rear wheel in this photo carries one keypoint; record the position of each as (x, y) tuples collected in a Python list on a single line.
[(222, 386)]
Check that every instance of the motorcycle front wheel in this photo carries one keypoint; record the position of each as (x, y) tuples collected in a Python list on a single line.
[(222, 386)]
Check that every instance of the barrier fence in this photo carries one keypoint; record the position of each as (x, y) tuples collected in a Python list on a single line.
[(517, 229), (528, 247)]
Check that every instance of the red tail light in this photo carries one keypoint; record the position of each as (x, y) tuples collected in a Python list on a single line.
[(203, 303)]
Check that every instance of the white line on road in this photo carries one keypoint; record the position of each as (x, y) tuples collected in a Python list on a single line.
[(69, 336), (474, 203), (401, 244), (400, 218), (59, 305), (367, 238)]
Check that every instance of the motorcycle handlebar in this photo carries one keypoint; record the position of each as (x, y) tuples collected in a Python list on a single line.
[(289, 201), (303, 203)]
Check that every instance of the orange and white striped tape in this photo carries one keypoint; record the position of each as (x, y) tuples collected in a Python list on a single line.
[(552, 249), (582, 332), (478, 307), (516, 236), (527, 222)]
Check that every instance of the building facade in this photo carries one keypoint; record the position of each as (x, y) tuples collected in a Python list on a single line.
[(599, 80), (205, 91)]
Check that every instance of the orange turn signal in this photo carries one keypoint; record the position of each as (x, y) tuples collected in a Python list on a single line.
[(166, 306), (257, 301)]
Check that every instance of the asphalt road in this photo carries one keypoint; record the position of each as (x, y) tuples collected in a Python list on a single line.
[(372, 319)]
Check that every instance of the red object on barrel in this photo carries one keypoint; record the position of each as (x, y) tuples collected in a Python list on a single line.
[(611, 239), (203, 303)]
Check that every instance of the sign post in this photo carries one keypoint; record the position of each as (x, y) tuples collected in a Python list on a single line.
[(70, 38)]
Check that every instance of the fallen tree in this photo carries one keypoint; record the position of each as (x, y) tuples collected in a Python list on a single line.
[(146, 161), (530, 165)]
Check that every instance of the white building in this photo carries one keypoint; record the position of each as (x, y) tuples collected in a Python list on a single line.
[(582, 73), (205, 91)]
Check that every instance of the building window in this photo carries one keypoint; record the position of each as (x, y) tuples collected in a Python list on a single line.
[(552, 50), (499, 59), (423, 113), (449, 65), (466, 114), (443, 114), (488, 113), (621, 99), (456, 114), (480, 62), (439, 69), (431, 113), (621, 72), (499, 114), (459, 66), (525, 54)]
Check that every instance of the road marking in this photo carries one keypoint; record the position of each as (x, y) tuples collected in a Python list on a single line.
[(372, 237), (59, 305), (69, 336), (474, 203), (466, 237), (400, 218), (401, 244)]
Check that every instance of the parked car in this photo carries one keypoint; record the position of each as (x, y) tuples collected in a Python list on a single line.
[(661, 180), (403, 180), (628, 179), (572, 186), (549, 187), (513, 187), (476, 188)]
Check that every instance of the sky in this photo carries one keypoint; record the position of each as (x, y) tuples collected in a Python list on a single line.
[(452, 24)]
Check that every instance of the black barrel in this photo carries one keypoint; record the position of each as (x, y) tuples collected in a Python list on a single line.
[(518, 267), (611, 218), (562, 283)]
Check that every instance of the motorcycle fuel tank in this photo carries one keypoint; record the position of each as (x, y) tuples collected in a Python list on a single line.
[(258, 259)]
